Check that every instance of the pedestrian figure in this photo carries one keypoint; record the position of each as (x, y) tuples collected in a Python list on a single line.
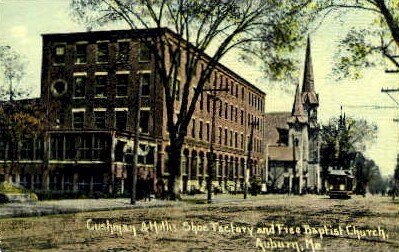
[(147, 188)]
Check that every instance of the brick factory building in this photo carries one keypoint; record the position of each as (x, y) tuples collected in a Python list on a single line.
[(89, 81)]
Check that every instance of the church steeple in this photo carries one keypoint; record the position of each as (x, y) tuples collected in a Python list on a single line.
[(298, 113), (308, 90), (308, 78)]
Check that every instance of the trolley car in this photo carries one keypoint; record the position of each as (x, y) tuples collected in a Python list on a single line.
[(340, 184)]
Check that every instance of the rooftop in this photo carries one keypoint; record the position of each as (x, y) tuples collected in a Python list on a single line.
[(93, 35)]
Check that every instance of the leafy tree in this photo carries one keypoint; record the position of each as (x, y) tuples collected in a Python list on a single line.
[(341, 141), (19, 120), (214, 27), (365, 171), (362, 46)]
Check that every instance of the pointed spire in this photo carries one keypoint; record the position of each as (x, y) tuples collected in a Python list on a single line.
[(308, 78), (298, 113), (297, 109)]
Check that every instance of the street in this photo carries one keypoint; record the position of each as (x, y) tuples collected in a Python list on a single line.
[(261, 223)]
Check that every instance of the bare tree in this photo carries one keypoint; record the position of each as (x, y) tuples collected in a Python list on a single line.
[(12, 65), (199, 27)]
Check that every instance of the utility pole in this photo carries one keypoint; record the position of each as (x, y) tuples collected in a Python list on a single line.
[(388, 91), (135, 147), (211, 154), (246, 173)]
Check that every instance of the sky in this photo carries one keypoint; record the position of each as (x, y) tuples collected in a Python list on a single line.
[(23, 21)]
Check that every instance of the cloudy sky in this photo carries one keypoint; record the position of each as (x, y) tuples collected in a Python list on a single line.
[(23, 21)]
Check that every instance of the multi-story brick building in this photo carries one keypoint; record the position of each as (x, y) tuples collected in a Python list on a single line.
[(89, 84)]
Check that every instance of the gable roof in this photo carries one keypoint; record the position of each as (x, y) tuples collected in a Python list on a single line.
[(273, 122), (281, 153)]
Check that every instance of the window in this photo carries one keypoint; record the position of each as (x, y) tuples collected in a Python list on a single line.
[(121, 85), (99, 147), (121, 120), (242, 117), (145, 84), (225, 136), (220, 108), (123, 51), (39, 147), (79, 90), (226, 111), (208, 133), (208, 103), (59, 55), (231, 112), (2, 150), (193, 128), (231, 138), (99, 88), (148, 158), (56, 147), (237, 91), (236, 114), (200, 130), (235, 139), (249, 98), (84, 145), (232, 88), (201, 101), (70, 148), (242, 94), (177, 90), (144, 120), (81, 52), (102, 52), (242, 141), (99, 119), (27, 149), (144, 53), (78, 119), (220, 135)]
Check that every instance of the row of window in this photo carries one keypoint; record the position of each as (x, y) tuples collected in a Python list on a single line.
[(223, 137), (102, 56), (233, 89), (102, 52), (87, 147), (230, 112), (100, 116), (101, 80), (31, 149)]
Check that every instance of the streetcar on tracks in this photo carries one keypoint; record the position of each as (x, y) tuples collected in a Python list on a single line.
[(340, 184)]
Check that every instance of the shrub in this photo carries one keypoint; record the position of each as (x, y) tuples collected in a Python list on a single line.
[(9, 188)]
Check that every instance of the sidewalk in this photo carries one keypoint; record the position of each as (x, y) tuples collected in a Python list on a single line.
[(74, 206)]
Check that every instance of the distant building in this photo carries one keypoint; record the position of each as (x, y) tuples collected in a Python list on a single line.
[(89, 81), (293, 140)]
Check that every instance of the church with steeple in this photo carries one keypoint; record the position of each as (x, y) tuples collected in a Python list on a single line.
[(293, 140)]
